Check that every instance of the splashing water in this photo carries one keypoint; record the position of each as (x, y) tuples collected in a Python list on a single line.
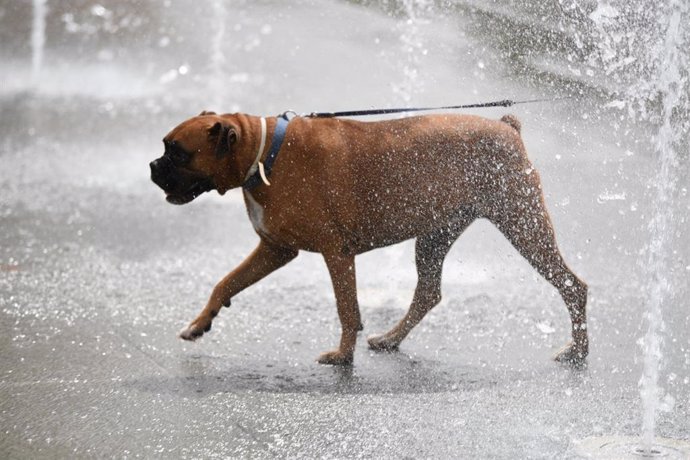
[(217, 65), (38, 39), (413, 47), (643, 51), (670, 84)]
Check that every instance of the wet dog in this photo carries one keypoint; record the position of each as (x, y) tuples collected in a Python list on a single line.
[(341, 187)]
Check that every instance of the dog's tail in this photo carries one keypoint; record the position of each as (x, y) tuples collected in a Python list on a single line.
[(512, 121)]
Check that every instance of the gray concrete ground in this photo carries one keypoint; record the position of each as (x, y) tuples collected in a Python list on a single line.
[(98, 272)]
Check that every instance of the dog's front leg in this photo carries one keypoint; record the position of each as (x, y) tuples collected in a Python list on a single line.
[(342, 271), (265, 259)]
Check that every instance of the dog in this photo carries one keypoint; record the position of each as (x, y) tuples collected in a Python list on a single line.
[(342, 187)]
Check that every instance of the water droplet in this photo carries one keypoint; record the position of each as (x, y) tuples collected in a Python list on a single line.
[(100, 11)]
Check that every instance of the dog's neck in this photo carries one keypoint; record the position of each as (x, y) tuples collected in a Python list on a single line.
[(260, 170)]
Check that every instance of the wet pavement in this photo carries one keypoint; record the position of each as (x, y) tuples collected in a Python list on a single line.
[(98, 272)]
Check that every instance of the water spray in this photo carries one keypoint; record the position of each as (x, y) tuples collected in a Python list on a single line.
[(38, 39), (670, 84), (217, 67)]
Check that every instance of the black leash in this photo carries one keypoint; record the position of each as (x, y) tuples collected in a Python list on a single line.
[(361, 113)]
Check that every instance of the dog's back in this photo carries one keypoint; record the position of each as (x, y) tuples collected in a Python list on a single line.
[(394, 180)]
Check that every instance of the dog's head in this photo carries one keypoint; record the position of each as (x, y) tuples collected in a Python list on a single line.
[(198, 158)]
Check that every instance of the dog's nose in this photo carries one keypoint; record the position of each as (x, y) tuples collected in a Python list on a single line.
[(155, 169), (160, 171)]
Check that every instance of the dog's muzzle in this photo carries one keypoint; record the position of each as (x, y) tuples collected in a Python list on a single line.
[(180, 186)]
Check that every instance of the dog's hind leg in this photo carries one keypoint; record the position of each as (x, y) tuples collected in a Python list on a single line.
[(265, 259), (527, 226), (430, 250)]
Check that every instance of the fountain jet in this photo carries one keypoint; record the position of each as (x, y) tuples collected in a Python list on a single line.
[(38, 39)]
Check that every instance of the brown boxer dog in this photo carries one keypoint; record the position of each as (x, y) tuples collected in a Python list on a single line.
[(341, 187)]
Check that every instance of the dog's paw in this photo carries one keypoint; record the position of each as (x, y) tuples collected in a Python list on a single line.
[(336, 358), (193, 331), (572, 355), (382, 343)]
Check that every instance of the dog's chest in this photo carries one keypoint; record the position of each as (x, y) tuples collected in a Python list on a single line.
[(256, 214)]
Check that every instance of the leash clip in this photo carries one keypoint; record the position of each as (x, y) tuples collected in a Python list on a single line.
[(288, 114)]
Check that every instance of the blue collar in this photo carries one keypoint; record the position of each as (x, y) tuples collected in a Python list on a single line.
[(282, 122)]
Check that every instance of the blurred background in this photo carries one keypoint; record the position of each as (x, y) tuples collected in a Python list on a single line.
[(98, 272)]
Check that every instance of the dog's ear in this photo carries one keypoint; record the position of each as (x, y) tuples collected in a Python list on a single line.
[(207, 112), (225, 136), (231, 136)]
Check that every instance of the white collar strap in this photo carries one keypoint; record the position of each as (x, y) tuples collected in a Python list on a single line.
[(257, 161)]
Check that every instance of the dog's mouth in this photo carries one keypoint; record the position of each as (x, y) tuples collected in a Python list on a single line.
[(194, 191), (181, 185)]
